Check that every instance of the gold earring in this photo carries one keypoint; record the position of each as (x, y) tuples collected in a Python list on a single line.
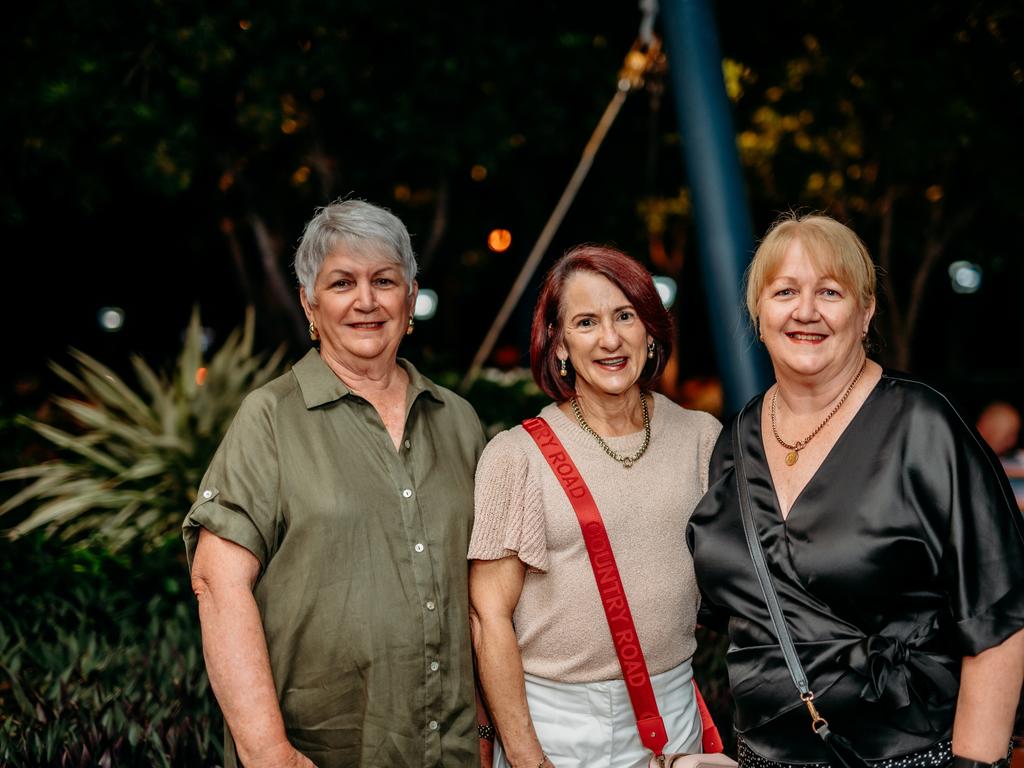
[(313, 334), (650, 351), (409, 328), (563, 371)]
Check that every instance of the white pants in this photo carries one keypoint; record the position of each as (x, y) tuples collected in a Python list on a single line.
[(592, 725)]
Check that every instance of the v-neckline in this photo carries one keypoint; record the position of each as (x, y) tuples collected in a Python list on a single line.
[(784, 519)]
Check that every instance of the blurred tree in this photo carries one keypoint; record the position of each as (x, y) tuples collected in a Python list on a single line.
[(900, 119), (198, 138), (244, 118)]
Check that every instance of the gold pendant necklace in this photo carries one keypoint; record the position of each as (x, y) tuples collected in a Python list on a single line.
[(626, 461), (799, 445)]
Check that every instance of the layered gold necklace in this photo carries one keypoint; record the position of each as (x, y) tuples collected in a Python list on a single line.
[(799, 445), (626, 461)]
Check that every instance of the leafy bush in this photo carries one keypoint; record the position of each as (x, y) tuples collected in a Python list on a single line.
[(93, 674), (501, 398), (130, 468)]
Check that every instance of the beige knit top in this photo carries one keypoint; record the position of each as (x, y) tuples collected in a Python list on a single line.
[(521, 509)]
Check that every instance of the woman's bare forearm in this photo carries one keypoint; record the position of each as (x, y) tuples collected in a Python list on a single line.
[(494, 590), (235, 649), (501, 676), (990, 685)]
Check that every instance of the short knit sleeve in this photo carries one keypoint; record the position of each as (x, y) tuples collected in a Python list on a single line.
[(509, 506), (237, 498), (710, 430)]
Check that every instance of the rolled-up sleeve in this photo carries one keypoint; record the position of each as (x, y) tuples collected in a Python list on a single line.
[(238, 497)]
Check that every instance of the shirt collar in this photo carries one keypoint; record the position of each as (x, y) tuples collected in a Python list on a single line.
[(320, 385)]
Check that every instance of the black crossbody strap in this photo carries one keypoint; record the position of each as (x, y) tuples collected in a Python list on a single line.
[(843, 752), (771, 599)]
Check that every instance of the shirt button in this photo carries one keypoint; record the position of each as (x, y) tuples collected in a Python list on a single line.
[(430, 605), (432, 725), (434, 666), (408, 444), (407, 493), (419, 547), (207, 494)]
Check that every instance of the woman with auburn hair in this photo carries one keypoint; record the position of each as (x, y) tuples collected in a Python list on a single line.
[(858, 541), (549, 668)]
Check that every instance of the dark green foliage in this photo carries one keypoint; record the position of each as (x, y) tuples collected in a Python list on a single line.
[(713, 679), (100, 661), (502, 399)]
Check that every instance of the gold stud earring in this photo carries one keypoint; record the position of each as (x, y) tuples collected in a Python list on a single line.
[(313, 334), (650, 351), (563, 371), (410, 327)]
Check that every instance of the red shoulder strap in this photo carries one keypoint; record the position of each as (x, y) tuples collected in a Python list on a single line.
[(616, 608), (613, 597), (609, 585)]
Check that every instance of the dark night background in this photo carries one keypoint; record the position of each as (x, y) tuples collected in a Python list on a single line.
[(137, 135), (159, 156)]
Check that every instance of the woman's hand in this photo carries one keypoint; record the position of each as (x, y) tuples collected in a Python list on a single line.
[(282, 755)]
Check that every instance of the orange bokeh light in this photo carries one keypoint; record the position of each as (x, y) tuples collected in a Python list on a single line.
[(200, 376), (499, 240)]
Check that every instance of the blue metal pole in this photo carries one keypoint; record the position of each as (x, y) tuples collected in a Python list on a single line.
[(716, 185)]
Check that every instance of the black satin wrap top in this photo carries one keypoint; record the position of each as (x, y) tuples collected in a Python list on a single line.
[(903, 553)]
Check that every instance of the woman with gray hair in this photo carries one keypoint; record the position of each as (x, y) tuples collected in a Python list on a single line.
[(328, 540)]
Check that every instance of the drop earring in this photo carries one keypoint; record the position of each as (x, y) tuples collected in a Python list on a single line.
[(563, 370), (313, 334), (650, 351), (409, 328)]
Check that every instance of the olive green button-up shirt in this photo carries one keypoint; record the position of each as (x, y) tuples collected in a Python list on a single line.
[(363, 581)]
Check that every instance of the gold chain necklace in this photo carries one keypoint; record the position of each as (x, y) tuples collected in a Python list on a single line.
[(626, 461), (794, 450)]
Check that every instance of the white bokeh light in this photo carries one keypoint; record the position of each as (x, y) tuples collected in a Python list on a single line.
[(965, 277), (111, 319), (667, 288), (426, 304)]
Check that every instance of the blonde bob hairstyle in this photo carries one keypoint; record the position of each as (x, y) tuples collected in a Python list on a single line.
[(833, 247)]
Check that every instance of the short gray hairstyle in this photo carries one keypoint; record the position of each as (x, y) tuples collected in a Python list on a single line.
[(359, 226)]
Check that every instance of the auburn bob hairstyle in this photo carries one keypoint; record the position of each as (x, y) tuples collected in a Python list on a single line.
[(631, 278)]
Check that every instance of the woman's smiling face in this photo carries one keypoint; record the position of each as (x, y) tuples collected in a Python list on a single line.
[(811, 324), (362, 308), (602, 336)]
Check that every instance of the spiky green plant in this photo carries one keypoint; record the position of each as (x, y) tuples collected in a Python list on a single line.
[(129, 469)]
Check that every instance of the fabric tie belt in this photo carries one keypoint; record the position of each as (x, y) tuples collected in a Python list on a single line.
[(899, 672)]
